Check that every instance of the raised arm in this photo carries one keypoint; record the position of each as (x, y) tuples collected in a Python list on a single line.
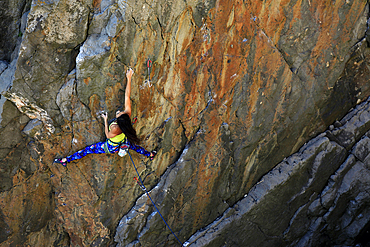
[(127, 110), (115, 130)]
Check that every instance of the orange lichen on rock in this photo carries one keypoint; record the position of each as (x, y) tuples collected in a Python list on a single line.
[(97, 5), (87, 80), (114, 97), (95, 105)]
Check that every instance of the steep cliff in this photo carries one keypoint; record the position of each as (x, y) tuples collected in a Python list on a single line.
[(236, 86)]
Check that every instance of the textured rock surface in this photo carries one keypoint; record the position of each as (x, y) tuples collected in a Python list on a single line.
[(12, 23), (235, 87), (318, 196)]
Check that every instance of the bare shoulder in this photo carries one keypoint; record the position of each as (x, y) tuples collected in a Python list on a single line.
[(127, 111)]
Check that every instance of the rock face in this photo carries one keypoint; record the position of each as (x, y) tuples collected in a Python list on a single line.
[(236, 86), (12, 25), (318, 196)]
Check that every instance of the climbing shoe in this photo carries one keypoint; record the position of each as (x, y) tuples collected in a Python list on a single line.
[(154, 153), (59, 161)]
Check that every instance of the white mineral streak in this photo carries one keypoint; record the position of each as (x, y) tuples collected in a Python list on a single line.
[(31, 110)]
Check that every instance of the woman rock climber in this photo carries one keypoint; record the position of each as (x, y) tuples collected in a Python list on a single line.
[(119, 133)]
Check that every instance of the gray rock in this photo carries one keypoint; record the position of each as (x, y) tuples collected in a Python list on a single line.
[(4, 84), (112, 26), (329, 193), (7, 76), (10, 21), (2, 101), (3, 66), (69, 32), (122, 4), (105, 4), (70, 106), (54, 29), (64, 99), (89, 63), (105, 19), (350, 213), (94, 47), (99, 22), (362, 148), (354, 125), (33, 128), (24, 22)]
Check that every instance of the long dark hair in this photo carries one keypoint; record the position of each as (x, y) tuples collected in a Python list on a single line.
[(124, 123)]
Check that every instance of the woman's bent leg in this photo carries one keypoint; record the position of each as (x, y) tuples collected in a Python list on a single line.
[(97, 148), (138, 149)]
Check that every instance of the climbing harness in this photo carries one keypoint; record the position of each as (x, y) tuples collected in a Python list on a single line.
[(123, 149), (141, 184)]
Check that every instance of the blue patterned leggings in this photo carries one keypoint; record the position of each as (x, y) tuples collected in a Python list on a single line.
[(98, 148)]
